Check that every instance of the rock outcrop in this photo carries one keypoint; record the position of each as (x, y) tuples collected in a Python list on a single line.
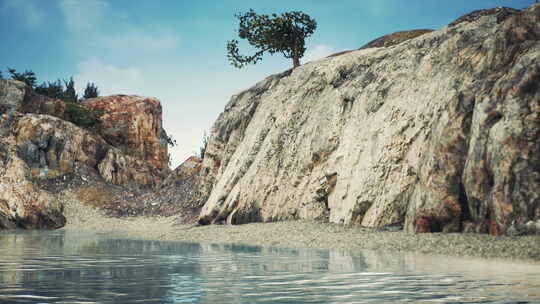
[(39, 144), (133, 124), (441, 132), (395, 38)]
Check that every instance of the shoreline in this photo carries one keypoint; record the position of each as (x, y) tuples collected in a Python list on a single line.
[(307, 234)]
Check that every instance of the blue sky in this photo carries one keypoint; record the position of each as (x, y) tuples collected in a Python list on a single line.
[(175, 49)]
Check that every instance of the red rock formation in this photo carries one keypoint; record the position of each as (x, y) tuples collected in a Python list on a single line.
[(133, 124)]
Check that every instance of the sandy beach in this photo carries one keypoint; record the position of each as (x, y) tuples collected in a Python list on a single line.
[(302, 234)]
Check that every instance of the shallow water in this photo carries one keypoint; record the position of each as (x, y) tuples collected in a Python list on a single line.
[(77, 267)]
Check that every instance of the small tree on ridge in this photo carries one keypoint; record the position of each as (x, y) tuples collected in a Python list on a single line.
[(285, 34), (90, 91), (27, 77), (70, 95)]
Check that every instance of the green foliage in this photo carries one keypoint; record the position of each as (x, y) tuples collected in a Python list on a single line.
[(64, 90), (58, 90), (168, 138), (70, 95), (27, 77), (90, 91), (82, 116), (51, 89), (284, 34), (1, 76)]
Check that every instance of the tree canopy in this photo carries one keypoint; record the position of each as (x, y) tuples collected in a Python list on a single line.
[(284, 34), (59, 89), (90, 91), (53, 89), (27, 77), (70, 94)]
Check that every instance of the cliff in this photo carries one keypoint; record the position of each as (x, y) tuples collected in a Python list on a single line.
[(134, 124), (440, 132), (50, 148)]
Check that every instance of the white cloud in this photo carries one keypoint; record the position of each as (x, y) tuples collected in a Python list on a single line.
[(31, 15), (139, 40), (110, 79), (380, 8), (83, 15), (318, 52), (94, 27)]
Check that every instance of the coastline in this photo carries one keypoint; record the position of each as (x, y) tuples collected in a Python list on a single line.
[(306, 234)]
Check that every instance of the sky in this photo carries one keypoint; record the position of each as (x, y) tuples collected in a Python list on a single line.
[(175, 50)]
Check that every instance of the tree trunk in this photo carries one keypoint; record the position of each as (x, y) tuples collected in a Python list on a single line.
[(296, 57), (296, 62)]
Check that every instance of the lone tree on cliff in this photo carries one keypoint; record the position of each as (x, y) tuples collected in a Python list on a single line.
[(272, 34), (27, 77)]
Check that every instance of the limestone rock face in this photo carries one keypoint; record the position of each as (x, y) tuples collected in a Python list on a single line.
[(51, 145), (441, 132), (12, 94), (133, 124), (22, 204)]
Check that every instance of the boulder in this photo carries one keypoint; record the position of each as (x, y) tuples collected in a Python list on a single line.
[(441, 132)]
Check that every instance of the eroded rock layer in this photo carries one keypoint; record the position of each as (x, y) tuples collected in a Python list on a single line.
[(441, 132)]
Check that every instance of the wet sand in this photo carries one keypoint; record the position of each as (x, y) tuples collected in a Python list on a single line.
[(303, 234)]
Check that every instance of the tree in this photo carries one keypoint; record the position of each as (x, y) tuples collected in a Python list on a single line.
[(51, 89), (285, 34), (1, 76), (70, 95), (90, 91), (27, 77)]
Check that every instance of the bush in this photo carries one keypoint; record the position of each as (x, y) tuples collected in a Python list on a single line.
[(82, 116)]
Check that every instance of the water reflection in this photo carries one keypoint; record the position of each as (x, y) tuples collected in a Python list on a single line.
[(70, 267)]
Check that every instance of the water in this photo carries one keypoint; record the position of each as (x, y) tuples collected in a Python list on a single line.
[(69, 267)]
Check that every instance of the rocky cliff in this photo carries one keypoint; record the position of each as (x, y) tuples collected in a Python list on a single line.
[(134, 124), (46, 143), (441, 132)]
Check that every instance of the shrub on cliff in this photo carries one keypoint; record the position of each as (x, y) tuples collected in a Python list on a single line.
[(27, 77), (284, 34), (82, 116)]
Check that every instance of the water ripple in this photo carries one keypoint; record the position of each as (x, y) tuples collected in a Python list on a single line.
[(53, 267)]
